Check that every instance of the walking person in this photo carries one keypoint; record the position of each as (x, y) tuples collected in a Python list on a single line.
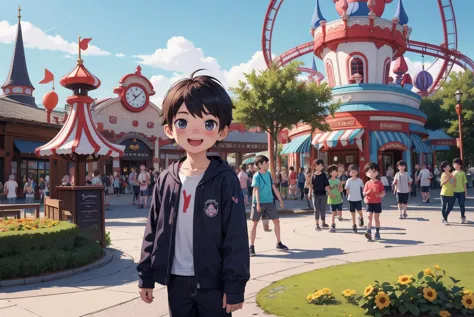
[(292, 181), (318, 191), (144, 181), (436, 173), (460, 190), (354, 186), (10, 189), (307, 188), (401, 188), (43, 187), (263, 203), (448, 182), (374, 191), (153, 177), (243, 179), (133, 178), (29, 191), (117, 185), (284, 183), (341, 174), (335, 195), (106, 181), (425, 182), (301, 182)]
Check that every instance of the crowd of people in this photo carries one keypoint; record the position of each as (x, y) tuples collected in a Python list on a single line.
[(321, 186)]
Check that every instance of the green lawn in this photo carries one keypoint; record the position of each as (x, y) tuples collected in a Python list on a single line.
[(288, 297)]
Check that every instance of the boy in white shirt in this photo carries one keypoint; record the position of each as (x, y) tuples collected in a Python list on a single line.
[(401, 187), (354, 186)]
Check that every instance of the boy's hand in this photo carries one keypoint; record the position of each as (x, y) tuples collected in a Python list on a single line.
[(368, 192), (332, 195), (230, 308), (258, 208), (146, 295), (282, 205)]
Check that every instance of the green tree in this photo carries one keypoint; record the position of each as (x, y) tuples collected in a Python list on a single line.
[(438, 118), (275, 99), (445, 98)]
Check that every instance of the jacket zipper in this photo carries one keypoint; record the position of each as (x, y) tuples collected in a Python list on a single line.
[(175, 216), (197, 203)]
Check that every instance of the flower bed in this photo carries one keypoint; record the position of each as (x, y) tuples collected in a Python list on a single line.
[(26, 224)]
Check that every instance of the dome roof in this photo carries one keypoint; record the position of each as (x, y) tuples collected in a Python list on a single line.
[(360, 8), (317, 16), (400, 65), (80, 76), (423, 80)]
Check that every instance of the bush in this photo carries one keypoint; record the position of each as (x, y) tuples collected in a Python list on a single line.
[(36, 262), (60, 237)]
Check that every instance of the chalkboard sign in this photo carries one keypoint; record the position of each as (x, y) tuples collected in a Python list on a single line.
[(89, 213)]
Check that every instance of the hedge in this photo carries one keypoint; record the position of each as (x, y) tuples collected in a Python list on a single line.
[(36, 262), (59, 237)]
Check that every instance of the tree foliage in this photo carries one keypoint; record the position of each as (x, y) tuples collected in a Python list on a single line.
[(441, 110), (274, 99)]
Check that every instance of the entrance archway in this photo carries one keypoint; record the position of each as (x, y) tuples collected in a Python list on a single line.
[(389, 154), (136, 153)]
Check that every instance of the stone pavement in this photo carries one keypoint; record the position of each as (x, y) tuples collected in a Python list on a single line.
[(112, 289)]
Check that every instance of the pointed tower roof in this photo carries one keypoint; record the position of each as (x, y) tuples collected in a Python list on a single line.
[(401, 14), (317, 16), (313, 65), (18, 86)]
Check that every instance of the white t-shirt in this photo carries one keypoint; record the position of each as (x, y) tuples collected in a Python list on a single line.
[(425, 177), (354, 186), (183, 261), (11, 186), (403, 180), (142, 178), (96, 181)]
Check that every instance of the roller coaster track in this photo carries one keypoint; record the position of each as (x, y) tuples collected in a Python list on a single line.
[(447, 52)]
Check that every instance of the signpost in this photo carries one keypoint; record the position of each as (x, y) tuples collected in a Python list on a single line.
[(89, 213)]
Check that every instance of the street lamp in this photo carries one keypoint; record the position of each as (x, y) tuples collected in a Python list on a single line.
[(458, 96)]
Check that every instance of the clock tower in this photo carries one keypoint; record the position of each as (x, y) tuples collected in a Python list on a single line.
[(135, 91)]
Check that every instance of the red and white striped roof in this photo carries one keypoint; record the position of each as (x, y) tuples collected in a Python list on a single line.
[(79, 135)]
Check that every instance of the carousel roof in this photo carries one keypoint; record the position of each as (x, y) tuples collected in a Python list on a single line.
[(80, 75), (80, 136)]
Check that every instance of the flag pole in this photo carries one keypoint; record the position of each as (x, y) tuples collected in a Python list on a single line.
[(79, 61)]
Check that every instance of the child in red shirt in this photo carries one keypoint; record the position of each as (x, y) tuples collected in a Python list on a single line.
[(374, 191)]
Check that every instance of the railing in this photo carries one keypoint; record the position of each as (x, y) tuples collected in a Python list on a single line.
[(53, 209), (15, 210)]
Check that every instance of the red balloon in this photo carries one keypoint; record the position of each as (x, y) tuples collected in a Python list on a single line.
[(50, 100)]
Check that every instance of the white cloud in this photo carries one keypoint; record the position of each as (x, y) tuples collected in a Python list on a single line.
[(182, 57), (120, 54), (68, 56), (34, 37)]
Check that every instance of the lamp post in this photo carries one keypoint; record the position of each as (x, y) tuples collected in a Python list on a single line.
[(458, 96)]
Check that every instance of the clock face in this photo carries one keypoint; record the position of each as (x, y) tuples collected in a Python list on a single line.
[(136, 97)]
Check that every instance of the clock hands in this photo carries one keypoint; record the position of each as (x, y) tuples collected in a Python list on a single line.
[(137, 96)]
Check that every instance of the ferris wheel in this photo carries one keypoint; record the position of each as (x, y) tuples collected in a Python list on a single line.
[(447, 52)]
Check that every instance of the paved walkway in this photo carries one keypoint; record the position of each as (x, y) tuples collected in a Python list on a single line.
[(112, 290)]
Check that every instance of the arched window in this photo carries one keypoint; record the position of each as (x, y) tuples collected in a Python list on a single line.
[(386, 71), (330, 73), (357, 67)]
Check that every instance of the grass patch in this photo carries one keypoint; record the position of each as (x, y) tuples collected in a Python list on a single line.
[(288, 297)]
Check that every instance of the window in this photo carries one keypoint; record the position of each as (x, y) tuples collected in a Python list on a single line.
[(357, 67), (35, 168), (386, 71), (330, 73)]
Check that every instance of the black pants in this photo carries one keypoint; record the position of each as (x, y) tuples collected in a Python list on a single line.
[(185, 300)]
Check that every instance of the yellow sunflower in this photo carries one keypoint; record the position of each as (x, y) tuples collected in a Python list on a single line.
[(316, 295), (429, 294), (437, 267), (468, 301), (428, 272), (353, 292), (405, 279), (444, 313), (467, 292), (309, 297), (346, 292), (382, 300), (326, 291), (368, 290)]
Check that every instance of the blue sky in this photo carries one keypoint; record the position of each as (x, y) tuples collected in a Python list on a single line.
[(215, 34)]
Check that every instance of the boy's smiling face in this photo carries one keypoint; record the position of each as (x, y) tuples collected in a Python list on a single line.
[(371, 173), (195, 134)]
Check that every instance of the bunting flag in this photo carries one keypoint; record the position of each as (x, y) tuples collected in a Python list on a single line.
[(48, 77), (84, 44)]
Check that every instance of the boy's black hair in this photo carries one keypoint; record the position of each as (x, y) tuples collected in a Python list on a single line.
[(444, 164), (199, 94), (402, 163), (243, 167), (371, 166), (457, 161), (332, 167), (301, 169), (318, 162), (96, 173), (353, 167), (292, 168), (260, 159)]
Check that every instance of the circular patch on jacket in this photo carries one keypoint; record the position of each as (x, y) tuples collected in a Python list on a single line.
[(211, 208)]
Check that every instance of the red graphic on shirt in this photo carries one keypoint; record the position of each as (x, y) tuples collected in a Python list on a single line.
[(187, 199)]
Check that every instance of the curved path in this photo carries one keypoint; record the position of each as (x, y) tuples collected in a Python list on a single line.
[(112, 289)]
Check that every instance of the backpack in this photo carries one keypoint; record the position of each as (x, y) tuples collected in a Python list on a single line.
[(106, 181)]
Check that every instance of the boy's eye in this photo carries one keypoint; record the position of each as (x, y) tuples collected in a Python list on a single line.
[(210, 125), (181, 124)]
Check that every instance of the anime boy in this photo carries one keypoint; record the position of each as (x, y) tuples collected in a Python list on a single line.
[(195, 240)]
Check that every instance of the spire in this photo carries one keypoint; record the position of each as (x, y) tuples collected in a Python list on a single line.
[(313, 66), (400, 14), (317, 16), (18, 86)]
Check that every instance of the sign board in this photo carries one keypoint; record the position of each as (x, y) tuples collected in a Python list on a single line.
[(388, 126), (449, 142), (89, 213), (136, 149), (393, 146), (241, 146), (343, 123), (283, 137)]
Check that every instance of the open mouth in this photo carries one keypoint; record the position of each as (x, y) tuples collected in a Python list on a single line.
[(195, 142)]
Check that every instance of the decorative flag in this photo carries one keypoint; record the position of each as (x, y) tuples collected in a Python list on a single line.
[(48, 77), (84, 44)]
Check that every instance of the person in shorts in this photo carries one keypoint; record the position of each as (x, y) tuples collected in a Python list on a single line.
[(354, 186), (425, 182), (263, 202), (335, 195), (374, 191), (144, 181), (243, 179), (401, 187), (318, 191)]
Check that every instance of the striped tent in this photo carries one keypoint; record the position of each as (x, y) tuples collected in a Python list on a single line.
[(301, 144), (331, 138), (384, 137), (419, 145)]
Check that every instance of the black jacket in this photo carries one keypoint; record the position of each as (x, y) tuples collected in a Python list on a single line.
[(220, 245)]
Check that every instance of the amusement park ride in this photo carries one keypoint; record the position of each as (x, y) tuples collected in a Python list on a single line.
[(447, 51)]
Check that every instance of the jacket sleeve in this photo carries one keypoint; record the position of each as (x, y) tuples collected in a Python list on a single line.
[(144, 268), (236, 257)]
